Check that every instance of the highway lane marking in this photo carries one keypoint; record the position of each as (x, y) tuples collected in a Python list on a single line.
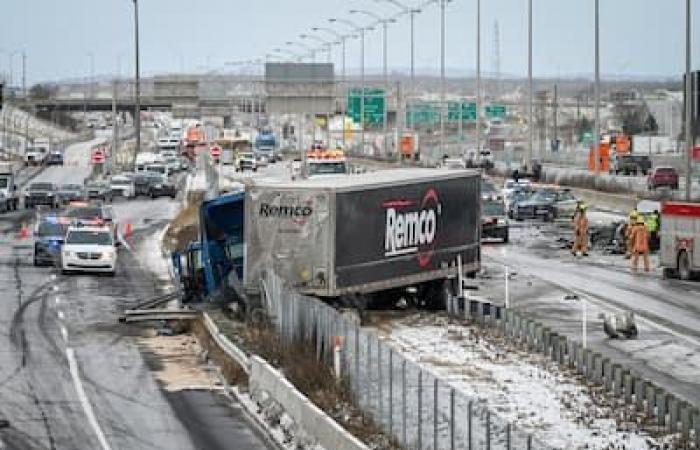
[(64, 332), (57, 300), (61, 315), (85, 403)]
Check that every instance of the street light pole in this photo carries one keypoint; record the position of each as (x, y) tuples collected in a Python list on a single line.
[(137, 86), (688, 111), (596, 126), (530, 124), (442, 77), (478, 78)]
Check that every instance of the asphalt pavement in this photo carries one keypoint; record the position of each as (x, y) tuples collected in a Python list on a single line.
[(71, 377), (667, 350)]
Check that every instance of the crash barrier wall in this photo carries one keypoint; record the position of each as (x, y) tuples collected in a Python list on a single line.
[(226, 346), (634, 393), (308, 416), (419, 409), (602, 182)]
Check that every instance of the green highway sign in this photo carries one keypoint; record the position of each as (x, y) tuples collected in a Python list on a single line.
[(373, 108), (495, 111)]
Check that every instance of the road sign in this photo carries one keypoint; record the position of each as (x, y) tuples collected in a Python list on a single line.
[(468, 111), (215, 151), (98, 156), (422, 114), (495, 111), (373, 107)]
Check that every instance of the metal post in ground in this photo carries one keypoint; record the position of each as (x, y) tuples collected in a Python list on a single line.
[(368, 374), (469, 425), (391, 391), (435, 413), (380, 402), (420, 410), (403, 403), (452, 419), (488, 430), (357, 364)]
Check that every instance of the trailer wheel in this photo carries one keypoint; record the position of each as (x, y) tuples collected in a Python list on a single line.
[(684, 271)]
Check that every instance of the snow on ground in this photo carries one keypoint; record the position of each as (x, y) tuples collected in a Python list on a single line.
[(523, 388)]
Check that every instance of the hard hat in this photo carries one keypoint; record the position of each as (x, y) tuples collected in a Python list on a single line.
[(633, 214), (640, 219), (583, 206)]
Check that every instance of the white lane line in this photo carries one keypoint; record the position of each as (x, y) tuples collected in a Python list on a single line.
[(58, 300), (61, 315), (64, 332), (55, 288), (87, 407)]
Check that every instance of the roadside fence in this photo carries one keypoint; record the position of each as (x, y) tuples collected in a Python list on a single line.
[(419, 409)]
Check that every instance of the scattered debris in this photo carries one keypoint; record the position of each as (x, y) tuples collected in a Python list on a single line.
[(619, 325)]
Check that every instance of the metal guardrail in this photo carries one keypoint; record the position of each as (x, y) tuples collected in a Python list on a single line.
[(143, 315)]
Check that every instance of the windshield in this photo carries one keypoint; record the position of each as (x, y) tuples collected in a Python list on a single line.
[(121, 181), (492, 209), (158, 169), (3, 182), (89, 237), (510, 184), (544, 196), (487, 187), (72, 187), (84, 212), (51, 229), (327, 168), (41, 187)]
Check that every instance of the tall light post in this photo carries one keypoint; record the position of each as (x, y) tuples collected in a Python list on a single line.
[(361, 30), (688, 111), (478, 77), (412, 15), (442, 76), (323, 42), (385, 70), (283, 51), (341, 39), (596, 126), (530, 125), (311, 50), (137, 84)]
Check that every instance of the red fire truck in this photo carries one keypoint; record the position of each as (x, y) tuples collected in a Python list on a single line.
[(680, 240)]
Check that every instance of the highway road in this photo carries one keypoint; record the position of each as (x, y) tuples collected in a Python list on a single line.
[(667, 350), (71, 377)]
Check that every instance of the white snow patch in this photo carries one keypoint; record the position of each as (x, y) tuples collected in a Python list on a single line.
[(520, 387)]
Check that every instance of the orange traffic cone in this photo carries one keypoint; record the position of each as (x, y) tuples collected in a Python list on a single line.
[(127, 229), (23, 232)]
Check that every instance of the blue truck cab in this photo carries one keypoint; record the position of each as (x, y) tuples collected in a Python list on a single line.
[(214, 262)]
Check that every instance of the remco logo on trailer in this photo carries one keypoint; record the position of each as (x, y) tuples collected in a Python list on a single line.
[(285, 211), (411, 226)]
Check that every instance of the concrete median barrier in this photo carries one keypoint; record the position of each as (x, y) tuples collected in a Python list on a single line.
[(330, 435)]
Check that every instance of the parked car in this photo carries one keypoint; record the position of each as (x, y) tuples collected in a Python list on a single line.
[(494, 223), (41, 193), (71, 193), (547, 204), (54, 158), (98, 190), (663, 176), (631, 164)]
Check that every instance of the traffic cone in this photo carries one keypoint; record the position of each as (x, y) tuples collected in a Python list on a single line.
[(23, 232), (127, 230)]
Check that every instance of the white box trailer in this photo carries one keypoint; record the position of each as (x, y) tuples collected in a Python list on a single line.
[(365, 234), (680, 240)]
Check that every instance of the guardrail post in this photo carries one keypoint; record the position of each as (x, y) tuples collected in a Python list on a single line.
[(380, 400), (420, 410), (452, 419), (469, 425), (435, 413), (488, 430), (403, 403), (391, 391)]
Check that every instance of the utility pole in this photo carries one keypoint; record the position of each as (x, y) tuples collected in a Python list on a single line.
[(688, 102), (115, 126), (24, 75), (137, 109), (555, 106)]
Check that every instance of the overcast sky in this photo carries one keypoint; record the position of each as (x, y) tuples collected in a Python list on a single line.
[(638, 37)]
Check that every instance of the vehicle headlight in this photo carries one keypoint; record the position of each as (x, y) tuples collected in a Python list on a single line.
[(50, 194), (158, 186), (109, 254)]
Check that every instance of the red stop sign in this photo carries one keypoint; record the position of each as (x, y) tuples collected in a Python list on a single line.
[(215, 152), (98, 156)]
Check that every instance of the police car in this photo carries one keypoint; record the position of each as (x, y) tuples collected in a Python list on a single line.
[(89, 249), (49, 235)]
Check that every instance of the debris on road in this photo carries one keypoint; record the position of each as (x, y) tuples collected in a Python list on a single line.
[(619, 325)]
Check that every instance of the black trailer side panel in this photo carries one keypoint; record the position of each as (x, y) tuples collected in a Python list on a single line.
[(391, 232)]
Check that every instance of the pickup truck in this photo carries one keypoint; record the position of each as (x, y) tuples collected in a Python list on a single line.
[(630, 165)]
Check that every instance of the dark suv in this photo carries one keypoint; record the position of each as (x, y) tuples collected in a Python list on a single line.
[(154, 185), (41, 193)]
